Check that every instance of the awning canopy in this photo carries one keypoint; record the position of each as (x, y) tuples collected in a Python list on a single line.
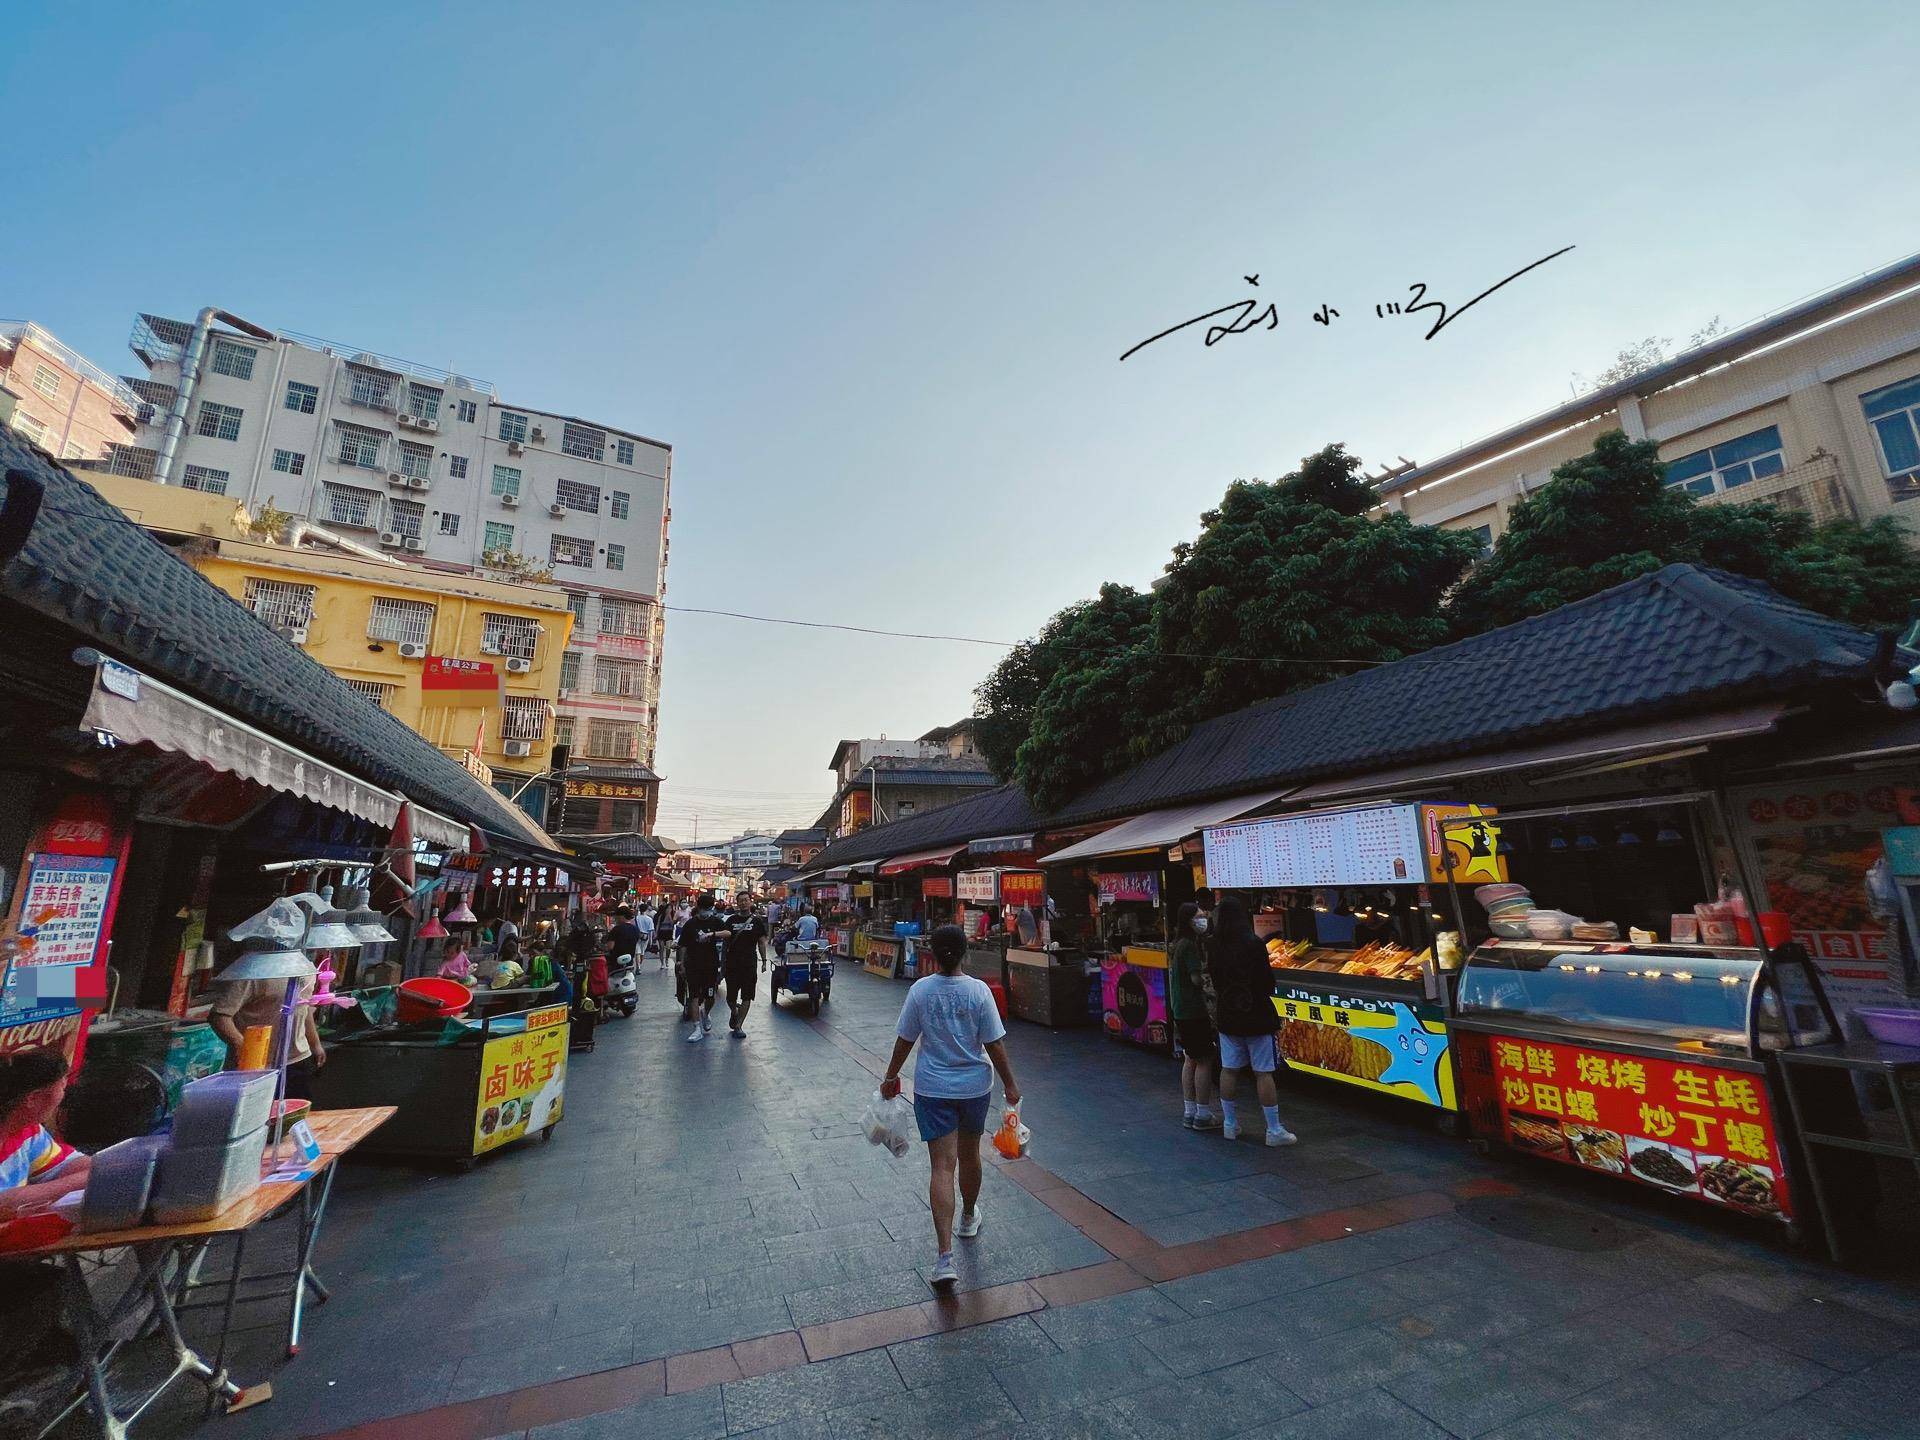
[(437, 830), (1158, 829), (1626, 746), (920, 860), (136, 709), (1000, 845), (828, 877)]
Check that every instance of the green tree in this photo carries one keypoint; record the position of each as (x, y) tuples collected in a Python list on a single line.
[(1004, 702)]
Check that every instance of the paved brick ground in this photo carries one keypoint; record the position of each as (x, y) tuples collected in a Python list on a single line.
[(709, 1248)]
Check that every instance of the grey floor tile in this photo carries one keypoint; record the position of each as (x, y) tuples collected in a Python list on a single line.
[(1099, 1320), (493, 1373), (965, 1408), (857, 1297), (717, 1327), (1370, 1415), (1064, 1382), (698, 1415), (808, 1390), (1213, 1406), (956, 1356), (1477, 1392), (1745, 1377)]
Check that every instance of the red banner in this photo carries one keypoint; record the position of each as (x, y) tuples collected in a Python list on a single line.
[(937, 887), (1023, 887), (456, 681), (1688, 1129)]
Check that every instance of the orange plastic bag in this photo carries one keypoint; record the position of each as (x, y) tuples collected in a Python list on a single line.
[(1011, 1138)]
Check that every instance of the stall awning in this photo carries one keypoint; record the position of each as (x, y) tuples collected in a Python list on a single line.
[(1628, 745), (136, 709), (920, 860), (1158, 829), (1000, 845), (828, 877), (437, 830)]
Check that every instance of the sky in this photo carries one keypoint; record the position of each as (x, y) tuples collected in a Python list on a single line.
[(869, 268)]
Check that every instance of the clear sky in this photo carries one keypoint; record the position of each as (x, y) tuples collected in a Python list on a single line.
[(869, 267)]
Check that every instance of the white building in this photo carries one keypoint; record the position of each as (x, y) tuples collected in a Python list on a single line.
[(434, 468)]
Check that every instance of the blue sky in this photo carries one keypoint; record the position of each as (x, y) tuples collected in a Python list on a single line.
[(869, 267)]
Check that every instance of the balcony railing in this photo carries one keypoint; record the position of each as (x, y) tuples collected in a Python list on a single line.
[(1815, 487)]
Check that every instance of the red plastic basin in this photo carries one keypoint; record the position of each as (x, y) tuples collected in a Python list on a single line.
[(430, 998)]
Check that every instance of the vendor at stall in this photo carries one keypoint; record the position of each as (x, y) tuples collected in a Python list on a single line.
[(239, 1005)]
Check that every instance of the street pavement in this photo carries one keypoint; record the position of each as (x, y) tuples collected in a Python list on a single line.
[(709, 1247)]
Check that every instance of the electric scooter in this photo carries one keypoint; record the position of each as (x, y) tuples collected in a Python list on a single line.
[(623, 985)]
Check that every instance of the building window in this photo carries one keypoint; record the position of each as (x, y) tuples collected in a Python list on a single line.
[(513, 428), (563, 730), (565, 550), (622, 617), (218, 422), (625, 816), (290, 462), (404, 622), (583, 442), (405, 517), (506, 481), (613, 739), (623, 451), (233, 359), (416, 461), (377, 691), (577, 603), (449, 523), (1484, 534), (469, 411), (359, 446), (1894, 414), (575, 496), (46, 380), (523, 717), (199, 477), (302, 398), (905, 807), (622, 504), (423, 402), (31, 426), (457, 466), (376, 389), (513, 635), (498, 537), (570, 670), (1720, 468), (133, 460), (350, 505), (616, 557), (72, 450), (280, 603), (624, 678)]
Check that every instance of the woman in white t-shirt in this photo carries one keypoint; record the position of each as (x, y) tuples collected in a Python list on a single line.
[(962, 1043)]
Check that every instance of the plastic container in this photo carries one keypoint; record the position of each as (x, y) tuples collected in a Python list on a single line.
[(428, 997), (1550, 924), (222, 1107), (1506, 890), (120, 1183), (1685, 930), (1774, 924), (197, 1182), (1892, 1027)]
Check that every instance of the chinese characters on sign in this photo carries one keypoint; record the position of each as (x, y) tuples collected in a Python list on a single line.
[(980, 887), (453, 681), (1023, 887), (606, 790), (71, 892), (1377, 1044), (1690, 1129), (1141, 885), (522, 1080)]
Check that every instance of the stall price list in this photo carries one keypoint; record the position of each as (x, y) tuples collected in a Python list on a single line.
[(66, 901), (1379, 845)]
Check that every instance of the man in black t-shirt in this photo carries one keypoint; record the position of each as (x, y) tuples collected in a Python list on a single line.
[(706, 931), (624, 937), (743, 967)]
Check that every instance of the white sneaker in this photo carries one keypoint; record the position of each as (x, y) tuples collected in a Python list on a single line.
[(1282, 1136), (944, 1276), (1229, 1130), (697, 1033), (969, 1225)]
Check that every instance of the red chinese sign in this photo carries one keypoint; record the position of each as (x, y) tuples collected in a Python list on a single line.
[(1023, 887), (455, 681), (1689, 1129), (937, 887)]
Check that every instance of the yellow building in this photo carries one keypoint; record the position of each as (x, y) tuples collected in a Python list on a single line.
[(375, 621)]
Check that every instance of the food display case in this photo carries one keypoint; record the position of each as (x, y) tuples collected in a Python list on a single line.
[(1646, 1062)]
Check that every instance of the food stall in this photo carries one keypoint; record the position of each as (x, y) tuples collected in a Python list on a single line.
[(1048, 982), (1350, 902)]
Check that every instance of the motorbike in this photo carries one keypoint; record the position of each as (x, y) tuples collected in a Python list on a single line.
[(623, 985)]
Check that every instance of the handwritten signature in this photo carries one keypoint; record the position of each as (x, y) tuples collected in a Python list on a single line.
[(1248, 314)]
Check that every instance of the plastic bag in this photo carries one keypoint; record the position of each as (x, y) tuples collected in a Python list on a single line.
[(1011, 1138), (890, 1123)]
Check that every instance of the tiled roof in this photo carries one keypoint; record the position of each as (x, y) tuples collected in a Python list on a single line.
[(1682, 639), (816, 835), (1002, 810), (619, 845), (88, 567)]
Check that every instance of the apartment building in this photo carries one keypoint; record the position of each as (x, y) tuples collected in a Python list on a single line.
[(60, 400), (1816, 406), (879, 780), (437, 470)]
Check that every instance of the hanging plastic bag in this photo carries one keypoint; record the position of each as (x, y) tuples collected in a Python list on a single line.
[(890, 1123), (1011, 1138)]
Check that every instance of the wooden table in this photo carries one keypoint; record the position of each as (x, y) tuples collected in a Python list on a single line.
[(337, 1132)]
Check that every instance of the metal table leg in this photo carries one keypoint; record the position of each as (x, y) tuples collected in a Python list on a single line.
[(313, 1210), (226, 1314)]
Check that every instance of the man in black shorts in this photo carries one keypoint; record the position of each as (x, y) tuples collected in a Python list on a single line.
[(706, 931), (743, 967)]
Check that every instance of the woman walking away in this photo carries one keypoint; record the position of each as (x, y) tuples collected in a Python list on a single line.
[(1187, 1000), (1243, 985), (962, 1042)]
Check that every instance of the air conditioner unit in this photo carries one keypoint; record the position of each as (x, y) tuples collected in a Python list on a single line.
[(392, 538), (406, 418), (514, 447), (396, 479), (295, 634), (427, 423), (419, 482), (518, 666), (411, 651), (538, 435), (512, 502), (556, 510), (489, 647), (517, 747), (416, 545)]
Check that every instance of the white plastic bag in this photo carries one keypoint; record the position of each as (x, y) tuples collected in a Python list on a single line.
[(890, 1123)]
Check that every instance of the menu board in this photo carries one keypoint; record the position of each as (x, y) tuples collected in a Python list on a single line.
[(1375, 845)]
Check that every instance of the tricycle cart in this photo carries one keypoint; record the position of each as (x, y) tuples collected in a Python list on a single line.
[(805, 968)]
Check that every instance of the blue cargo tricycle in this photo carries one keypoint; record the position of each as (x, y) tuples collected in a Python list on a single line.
[(805, 967)]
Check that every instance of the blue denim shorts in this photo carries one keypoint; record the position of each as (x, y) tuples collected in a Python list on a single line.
[(938, 1116)]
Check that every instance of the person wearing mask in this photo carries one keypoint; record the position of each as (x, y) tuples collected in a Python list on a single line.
[(701, 941), (742, 969), (1187, 1002), (1243, 990), (953, 1019)]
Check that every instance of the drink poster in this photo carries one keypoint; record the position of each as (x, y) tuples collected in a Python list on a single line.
[(1689, 1129)]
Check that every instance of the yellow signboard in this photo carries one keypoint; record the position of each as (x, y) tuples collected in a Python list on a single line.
[(523, 1078), (1468, 837), (1383, 1045)]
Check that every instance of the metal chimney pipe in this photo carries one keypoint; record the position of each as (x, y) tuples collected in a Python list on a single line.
[(190, 360)]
